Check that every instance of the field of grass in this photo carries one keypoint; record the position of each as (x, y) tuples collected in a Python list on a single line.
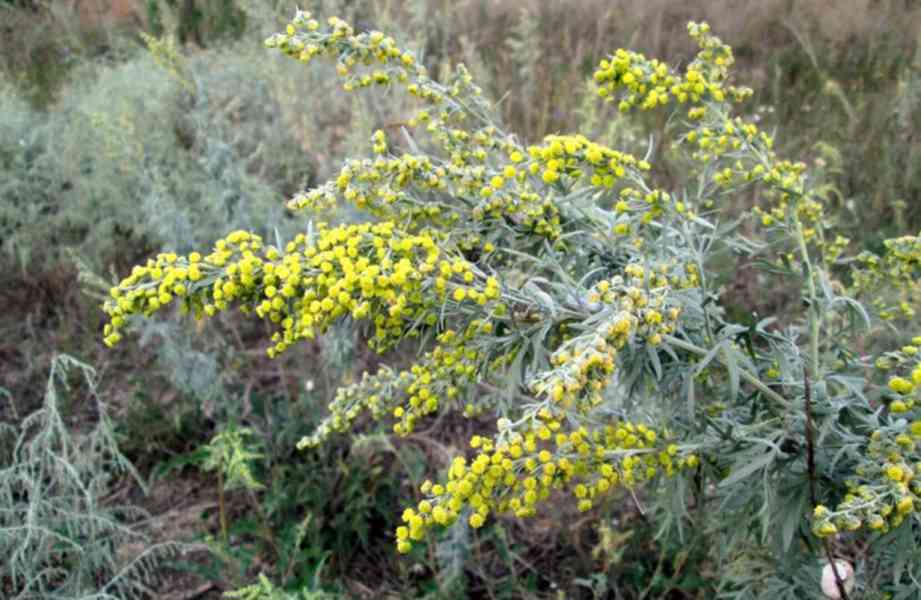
[(115, 146)]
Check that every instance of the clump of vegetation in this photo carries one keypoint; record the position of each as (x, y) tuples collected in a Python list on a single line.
[(162, 163), (59, 538), (561, 294)]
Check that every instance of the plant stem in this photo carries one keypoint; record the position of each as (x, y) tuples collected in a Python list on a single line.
[(814, 324), (753, 380), (810, 435), (811, 470), (222, 510)]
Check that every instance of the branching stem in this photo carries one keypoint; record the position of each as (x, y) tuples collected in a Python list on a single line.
[(743, 374)]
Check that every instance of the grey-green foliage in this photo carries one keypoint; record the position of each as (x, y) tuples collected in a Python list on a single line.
[(180, 168), (59, 539), (196, 373), (131, 157), (20, 180)]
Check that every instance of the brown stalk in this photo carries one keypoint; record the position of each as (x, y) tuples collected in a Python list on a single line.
[(810, 466), (222, 507)]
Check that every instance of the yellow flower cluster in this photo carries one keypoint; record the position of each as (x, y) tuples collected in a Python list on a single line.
[(898, 268), (434, 381), (833, 249), (485, 174), (583, 365), (516, 470), (906, 390), (885, 491), (478, 178), (716, 138), (306, 38), (445, 124), (366, 271), (650, 83), (526, 461), (736, 150), (376, 394), (900, 358), (416, 191), (638, 207), (575, 156), (373, 58), (749, 157)]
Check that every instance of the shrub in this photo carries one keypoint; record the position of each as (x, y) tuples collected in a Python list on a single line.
[(557, 289), (156, 151)]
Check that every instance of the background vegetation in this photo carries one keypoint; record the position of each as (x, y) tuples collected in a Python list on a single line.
[(114, 146)]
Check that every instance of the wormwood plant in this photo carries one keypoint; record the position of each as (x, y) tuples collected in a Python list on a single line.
[(557, 288), (58, 537)]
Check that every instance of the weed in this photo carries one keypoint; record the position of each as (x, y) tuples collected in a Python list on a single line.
[(58, 537)]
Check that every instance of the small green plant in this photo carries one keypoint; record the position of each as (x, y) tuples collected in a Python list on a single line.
[(556, 288), (263, 589), (58, 536), (229, 455)]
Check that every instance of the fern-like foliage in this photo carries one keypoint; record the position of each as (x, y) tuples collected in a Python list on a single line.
[(59, 539), (263, 589)]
